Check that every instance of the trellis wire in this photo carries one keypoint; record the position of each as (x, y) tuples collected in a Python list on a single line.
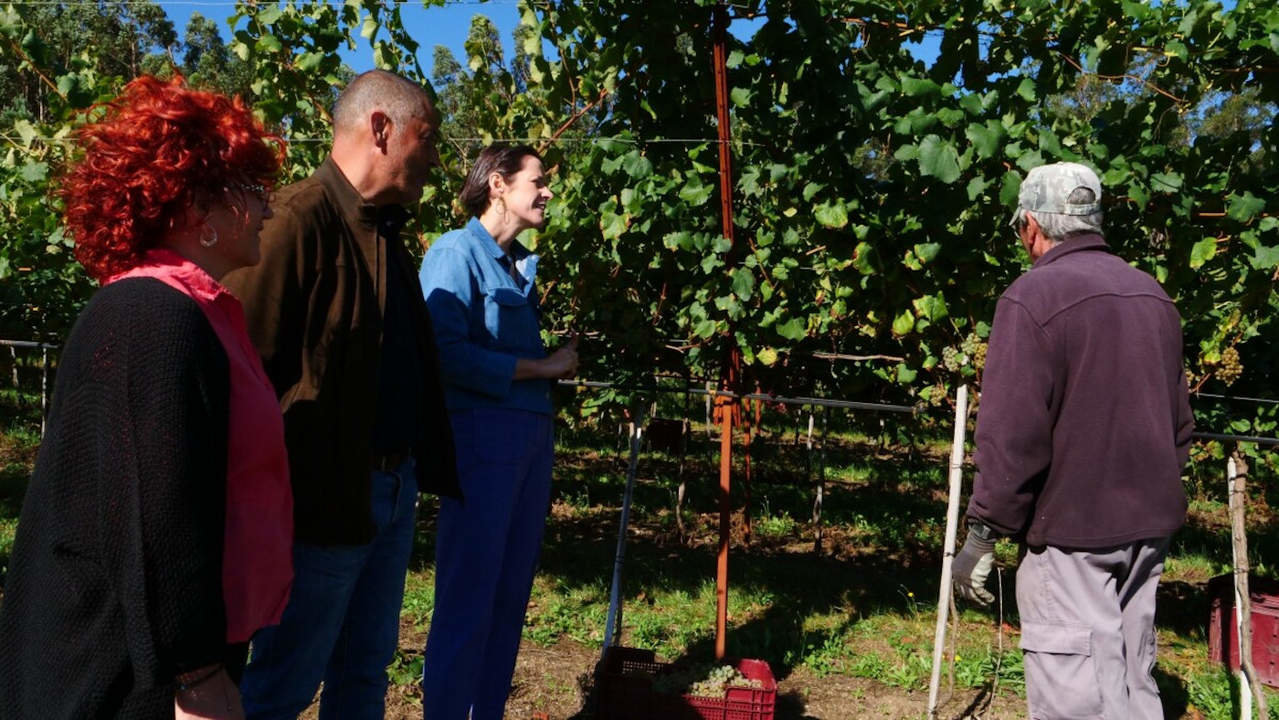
[(567, 140), (766, 397)]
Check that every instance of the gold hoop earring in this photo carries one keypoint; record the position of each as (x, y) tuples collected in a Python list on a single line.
[(207, 241)]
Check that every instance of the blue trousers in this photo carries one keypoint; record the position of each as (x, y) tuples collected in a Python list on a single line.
[(486, 552), (342, 621)]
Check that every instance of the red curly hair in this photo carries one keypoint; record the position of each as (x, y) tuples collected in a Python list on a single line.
[(160, 149)]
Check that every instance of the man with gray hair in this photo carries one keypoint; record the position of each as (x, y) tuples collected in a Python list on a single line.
[(1082, 433), (336, 312)]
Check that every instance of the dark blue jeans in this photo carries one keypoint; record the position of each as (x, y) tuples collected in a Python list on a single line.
[(342, 621), (486, 552)]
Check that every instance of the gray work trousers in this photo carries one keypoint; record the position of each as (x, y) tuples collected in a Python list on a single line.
[(1088, 631)]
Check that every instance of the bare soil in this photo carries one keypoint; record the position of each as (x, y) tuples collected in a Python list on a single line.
[(555, 683)]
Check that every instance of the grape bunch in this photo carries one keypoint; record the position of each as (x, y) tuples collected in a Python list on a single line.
[(720, 679), (1231, 368), (703, 682), (975, 350), (951, 359)]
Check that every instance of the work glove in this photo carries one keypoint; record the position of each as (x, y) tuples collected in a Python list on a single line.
[(972, 566)]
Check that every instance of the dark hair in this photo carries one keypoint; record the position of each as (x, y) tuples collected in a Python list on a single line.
[(381, 90), (499, 158), (158, 149)]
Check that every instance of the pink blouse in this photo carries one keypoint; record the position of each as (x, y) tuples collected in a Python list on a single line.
[(257, 559)]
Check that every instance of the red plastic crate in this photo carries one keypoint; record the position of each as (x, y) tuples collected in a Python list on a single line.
[(1264, 594), (625, 691)]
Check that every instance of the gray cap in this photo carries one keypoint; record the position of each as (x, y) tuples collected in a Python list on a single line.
[(1047, 187)]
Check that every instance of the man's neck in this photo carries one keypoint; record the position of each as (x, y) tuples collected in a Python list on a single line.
[(356, 167)]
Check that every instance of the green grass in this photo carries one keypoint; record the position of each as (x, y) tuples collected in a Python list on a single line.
[(19, 441), (1213, 693)]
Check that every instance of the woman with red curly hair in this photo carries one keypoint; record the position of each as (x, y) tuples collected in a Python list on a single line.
[(156, 533)]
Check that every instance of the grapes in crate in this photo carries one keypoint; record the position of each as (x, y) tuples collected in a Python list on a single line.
[(703, 681)]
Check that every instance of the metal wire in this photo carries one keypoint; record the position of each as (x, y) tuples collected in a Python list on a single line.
[(1238, 398), (766, 397), (28, 344), (1235, 438), (816, 402), (633, 141)]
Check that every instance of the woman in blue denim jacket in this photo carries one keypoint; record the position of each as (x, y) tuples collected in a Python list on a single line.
[(479, 287)]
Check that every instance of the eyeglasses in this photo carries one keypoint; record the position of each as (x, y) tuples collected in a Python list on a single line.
[(258, 189)]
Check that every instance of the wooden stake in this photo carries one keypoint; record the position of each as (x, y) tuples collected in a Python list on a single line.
[(44, 388), (819, 498), (952, 521), (1249, 687)]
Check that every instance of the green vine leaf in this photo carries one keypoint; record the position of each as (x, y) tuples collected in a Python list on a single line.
[(1202, 252), (939, 159)]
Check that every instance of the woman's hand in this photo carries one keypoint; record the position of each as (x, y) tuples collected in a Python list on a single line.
[(563, 362), (560, 364), (201, 696)]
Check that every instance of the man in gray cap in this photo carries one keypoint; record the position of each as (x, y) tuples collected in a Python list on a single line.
[(1082, 434)]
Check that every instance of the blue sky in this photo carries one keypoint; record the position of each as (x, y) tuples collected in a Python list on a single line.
[(438, 25), (446, 25)]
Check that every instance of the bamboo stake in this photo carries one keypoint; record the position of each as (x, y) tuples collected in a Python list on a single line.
[(952, 521), (1249, 688)]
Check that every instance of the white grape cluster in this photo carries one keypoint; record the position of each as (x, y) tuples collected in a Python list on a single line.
[(698, 682), (1231, 368), (972, 351)]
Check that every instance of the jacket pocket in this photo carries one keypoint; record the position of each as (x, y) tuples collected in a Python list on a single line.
[(511, 321), (1061, 673)]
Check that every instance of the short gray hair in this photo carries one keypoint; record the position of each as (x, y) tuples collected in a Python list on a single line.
[(1058, 227), (400, 99)]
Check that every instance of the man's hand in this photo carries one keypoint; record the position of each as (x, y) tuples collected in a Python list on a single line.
[(971, 567)]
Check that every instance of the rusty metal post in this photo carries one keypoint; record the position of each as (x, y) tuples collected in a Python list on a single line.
[(733, 364), (749, 426), (725, 526)]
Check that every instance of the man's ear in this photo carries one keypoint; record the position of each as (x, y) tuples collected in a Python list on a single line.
[(380, 127), (1028, 235), (1032, 224)]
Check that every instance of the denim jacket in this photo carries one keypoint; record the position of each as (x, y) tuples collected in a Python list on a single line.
[(484, 321)]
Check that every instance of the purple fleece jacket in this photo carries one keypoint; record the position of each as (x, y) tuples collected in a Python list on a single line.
[(1084, 424)]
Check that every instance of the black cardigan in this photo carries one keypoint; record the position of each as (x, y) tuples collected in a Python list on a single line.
[(115, 583)]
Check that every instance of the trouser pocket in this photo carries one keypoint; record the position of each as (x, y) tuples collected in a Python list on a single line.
[(1061, 675)]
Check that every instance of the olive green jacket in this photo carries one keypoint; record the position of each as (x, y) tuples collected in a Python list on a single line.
[(314, 307)]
